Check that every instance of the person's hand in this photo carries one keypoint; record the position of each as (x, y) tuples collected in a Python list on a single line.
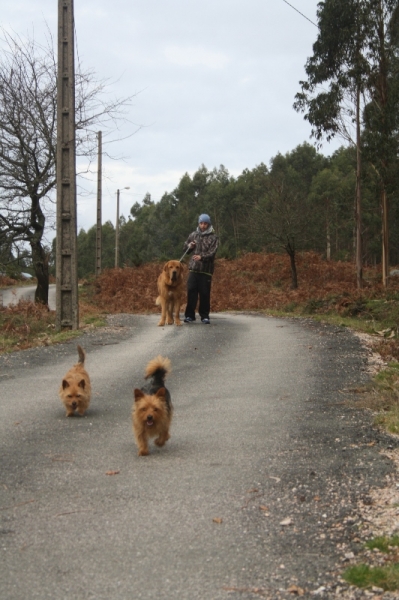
[(196, 257), (192, 244)]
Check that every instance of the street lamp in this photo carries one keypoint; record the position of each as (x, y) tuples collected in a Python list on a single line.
[(117, 227)]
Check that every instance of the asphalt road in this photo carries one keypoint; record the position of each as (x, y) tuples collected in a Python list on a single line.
[(252, 494), (26, 292)]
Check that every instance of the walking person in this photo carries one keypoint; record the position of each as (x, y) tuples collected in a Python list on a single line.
[(203, 243)]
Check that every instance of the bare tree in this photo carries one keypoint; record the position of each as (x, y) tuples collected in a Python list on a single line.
[(28, 94)]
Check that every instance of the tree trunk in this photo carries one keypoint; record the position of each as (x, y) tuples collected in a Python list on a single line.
[(328, 231), (294, 275), (358, 212), (40, 264), (382, 88), (385, 237)]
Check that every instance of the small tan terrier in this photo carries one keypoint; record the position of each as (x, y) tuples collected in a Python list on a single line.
[(75, 388), (152, 408)]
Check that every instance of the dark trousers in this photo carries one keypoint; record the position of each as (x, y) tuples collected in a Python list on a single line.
[(198, 285)]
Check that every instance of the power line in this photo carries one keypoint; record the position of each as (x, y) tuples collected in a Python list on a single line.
[(298, 11)]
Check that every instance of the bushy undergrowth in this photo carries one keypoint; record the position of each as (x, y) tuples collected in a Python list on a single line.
[(27, 324), (24, 323), (6, 281), (255, 282)]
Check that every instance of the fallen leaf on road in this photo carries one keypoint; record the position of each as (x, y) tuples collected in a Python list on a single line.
[(112, 472), (217, 520), (263, 507), (383, 331), (295, 589), (287, 521)]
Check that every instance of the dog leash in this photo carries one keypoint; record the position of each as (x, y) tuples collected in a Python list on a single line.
[(184, 254)]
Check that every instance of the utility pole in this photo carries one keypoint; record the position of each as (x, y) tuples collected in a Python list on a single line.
[(117, 231), (98, 229), (67, 307)]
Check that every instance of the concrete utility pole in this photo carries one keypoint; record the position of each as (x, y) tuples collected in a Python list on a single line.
[(67, 307), (98, 229)]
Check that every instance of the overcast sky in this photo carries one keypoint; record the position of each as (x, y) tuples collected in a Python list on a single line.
[(214, 80)]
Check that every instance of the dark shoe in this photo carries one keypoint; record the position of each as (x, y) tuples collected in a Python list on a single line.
[(205, 321), (188, 320)]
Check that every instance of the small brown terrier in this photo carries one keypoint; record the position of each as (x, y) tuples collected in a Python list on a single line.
[(152, 408), (75, 388)]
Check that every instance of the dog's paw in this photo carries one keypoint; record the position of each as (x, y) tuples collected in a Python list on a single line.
[(160, 441), (143, 453), (161, 323)]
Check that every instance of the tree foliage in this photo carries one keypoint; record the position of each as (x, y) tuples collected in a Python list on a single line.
[(301, 201), (353, 80)]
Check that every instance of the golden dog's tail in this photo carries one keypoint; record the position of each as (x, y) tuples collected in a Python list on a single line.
[(158, 367), (82, 355), (158, 301)]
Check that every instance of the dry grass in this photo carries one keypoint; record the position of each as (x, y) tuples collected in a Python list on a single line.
[(23, 324), (252, 282), (26, 325), (7, 281)]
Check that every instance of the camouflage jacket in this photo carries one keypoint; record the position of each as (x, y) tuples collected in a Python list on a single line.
[(206, 245)]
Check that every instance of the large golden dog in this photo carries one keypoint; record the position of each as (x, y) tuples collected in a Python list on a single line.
[(171, 290)]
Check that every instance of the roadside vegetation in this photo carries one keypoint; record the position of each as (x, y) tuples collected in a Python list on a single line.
[(364, 576), (28, 324), (385, 576)]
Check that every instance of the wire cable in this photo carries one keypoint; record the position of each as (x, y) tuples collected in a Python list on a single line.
[(298, 11)]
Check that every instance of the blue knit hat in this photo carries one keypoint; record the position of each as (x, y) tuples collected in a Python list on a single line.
[(204, 219)]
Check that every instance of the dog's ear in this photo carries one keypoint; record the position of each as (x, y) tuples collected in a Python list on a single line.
[(166, 267), (82, 384), (138, 394), (65, 384), (161, 393)]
